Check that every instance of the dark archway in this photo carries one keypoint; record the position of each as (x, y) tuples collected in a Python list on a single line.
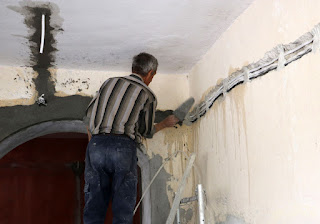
[(74, 126)]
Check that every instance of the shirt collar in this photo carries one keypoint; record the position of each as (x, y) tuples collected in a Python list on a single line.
[(136, 76)]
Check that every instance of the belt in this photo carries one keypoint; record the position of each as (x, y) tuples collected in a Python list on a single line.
[(113, 134)]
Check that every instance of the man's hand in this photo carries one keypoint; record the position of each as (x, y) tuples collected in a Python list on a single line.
[(168, 122)]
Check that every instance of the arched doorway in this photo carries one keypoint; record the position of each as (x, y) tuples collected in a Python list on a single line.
[(42, 181), (61, 172)]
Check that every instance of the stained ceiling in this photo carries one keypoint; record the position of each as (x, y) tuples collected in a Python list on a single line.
[(105, 34)]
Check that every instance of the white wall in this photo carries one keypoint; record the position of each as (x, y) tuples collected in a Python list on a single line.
[(259, 148)]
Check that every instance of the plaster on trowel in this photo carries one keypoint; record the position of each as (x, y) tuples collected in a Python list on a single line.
[(182, 111)]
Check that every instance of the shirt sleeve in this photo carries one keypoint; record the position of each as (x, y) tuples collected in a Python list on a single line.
[(149, 111)]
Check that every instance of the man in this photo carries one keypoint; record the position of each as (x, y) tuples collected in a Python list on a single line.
[(120, 115)]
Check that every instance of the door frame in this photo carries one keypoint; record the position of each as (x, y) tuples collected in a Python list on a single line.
[(51, 127)]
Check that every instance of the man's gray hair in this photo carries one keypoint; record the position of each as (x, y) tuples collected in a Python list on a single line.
[(144, 63)]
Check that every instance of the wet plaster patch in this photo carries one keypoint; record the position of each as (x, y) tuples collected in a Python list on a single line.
[(186, 215), (32, 12), (230, 219), (17, 118), (160, 205)]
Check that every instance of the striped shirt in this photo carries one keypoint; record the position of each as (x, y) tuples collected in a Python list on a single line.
[(123, 105)]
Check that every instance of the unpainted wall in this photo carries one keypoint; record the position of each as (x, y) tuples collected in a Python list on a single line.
[(21, 78), (258, 149)]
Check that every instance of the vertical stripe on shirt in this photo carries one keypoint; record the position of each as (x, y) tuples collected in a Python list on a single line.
[(126, 107), (106, 92), (117, 103)]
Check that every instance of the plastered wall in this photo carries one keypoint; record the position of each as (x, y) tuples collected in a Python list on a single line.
[(72, 90), (258, 149)]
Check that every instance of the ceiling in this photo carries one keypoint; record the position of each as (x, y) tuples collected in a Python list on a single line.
[(105, 34)]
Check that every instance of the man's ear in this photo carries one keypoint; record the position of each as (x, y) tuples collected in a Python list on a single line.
[(150, 73)]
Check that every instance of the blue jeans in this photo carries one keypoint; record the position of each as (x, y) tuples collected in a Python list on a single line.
[(110, 173)]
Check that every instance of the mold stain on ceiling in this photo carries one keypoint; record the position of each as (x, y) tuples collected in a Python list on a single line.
[(105, 34)]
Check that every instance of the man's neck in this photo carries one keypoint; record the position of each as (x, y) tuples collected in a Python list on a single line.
[(138, 76)]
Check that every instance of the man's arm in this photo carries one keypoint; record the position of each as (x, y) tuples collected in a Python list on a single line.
[(168, 122), (149, 118)]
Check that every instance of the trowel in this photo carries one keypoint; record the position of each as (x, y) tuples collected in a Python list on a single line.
[(182, 111)]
